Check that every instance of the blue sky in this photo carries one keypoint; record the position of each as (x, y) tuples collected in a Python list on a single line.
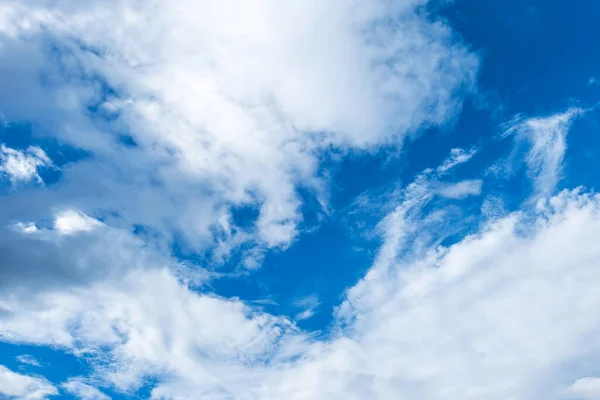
[(299, 200)]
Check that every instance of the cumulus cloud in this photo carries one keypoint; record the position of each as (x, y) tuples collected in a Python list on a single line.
[(22, 166), (71, 221), (16, 386), (477, 320), (220, 114)]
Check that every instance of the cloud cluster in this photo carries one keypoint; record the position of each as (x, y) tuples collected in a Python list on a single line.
[(22, 166), (17, 386), (185, 110), (187, 115), (476, 319), (83, 391)]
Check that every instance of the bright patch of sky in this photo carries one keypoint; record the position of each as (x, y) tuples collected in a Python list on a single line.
[(295, 199)]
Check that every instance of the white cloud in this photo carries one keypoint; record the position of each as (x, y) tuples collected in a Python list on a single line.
[(585, 389), (493, 207), (457, 156), (24, 387), (70, 221), (226, 114), (28, 359), (29, 227), (547, 137), (223, 114), (22, 166), (405, 219), (83, 391), (462, 189), (195, 337), (476, 320)]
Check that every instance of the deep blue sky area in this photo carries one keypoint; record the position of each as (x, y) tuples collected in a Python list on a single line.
[(535, 55)]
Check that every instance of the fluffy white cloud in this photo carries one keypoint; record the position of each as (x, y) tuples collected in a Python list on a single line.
[(83, 391), (196, 337), (22, 166), (17, 386), (223, 113), (70, 221)]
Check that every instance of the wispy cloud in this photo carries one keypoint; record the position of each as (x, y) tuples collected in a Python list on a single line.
[(28, 360), (308, 307), (547, 139), (83, 391)]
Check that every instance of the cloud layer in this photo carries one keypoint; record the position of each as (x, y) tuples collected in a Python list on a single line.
[(476, 319), (181, 114)]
